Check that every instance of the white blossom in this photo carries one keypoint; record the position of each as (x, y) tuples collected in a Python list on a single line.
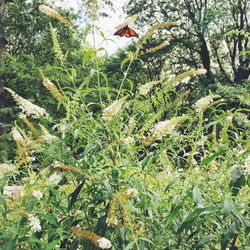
[(13, 191), (113, 222), (178, 22), (48, 84), (26, 106), (196, 169), (161, 129), (164, 127), (186, 80), (202, 141), (47, 10), (56, 164), (144, 89), (158, 47), (128, 140), (17, 136), (34, 223), (53, 13), (194, 162), (62, 129), (104, 243), (37, 194), (131, 123), (201, 71), (132, 193), (229, 118), (169, 77), (111, 111), (51, 87), (54, 179), (47, 137), (238, 151), (203, 102), (6, 168), (247, 166)]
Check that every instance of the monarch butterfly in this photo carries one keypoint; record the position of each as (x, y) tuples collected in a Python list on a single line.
[(126, 31)]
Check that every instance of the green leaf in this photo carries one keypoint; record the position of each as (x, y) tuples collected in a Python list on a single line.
[(36, 241), (73, 73), (104, 77), (147, 160), (50, 218), (237, 180), (3, 202), (192, 216), (124, 61), (88, 148), (170, 184), (130, 245), (107, 186), (204, 241), (101, 226), (74, 245), (169, 246), (11, 244), (145, 239), (228, 207), (172, 215), (196, 195), (229, 233), (242, 219), (210, 158), (131, 83), (30, 205), (74, 195), (52, 245)]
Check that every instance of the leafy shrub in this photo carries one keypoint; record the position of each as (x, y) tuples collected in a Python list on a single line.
[(135, 170)]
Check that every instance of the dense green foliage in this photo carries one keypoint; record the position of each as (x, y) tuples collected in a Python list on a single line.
[(212, 34), (29, 47), (135, 150)]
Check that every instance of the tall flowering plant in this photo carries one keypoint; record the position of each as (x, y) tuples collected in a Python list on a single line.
[(125, 170)]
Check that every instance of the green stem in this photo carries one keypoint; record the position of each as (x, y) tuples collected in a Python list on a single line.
[(124, 78), (97, 67), (126, 73)]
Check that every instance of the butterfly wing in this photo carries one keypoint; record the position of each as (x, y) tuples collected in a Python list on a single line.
[(120, 32), (126, 31), (131, 32)]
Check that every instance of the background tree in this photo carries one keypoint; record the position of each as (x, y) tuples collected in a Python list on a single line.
[(3, 101), (29, 47), (203, 38)]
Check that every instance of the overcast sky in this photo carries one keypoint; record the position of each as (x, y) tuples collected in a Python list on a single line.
[(106, 24)]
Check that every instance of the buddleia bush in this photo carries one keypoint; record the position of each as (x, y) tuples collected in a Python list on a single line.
[(126, 170)]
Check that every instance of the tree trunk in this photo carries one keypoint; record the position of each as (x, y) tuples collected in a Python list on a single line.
[(205, 57), (3, 43), (243, 71), (3, 40)]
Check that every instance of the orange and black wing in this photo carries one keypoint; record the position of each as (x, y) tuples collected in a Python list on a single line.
[(120, 32), (130, 33), (126, 31)]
